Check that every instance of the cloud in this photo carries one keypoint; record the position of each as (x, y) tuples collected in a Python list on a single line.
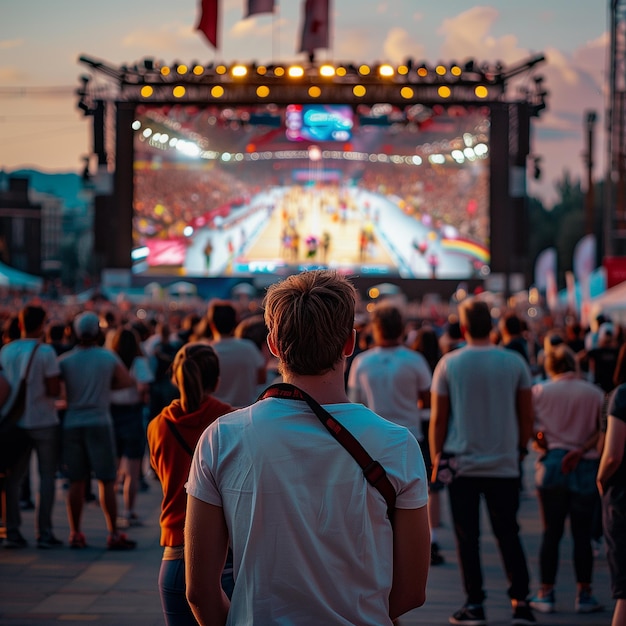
[(7, 44), (167, 37), (400, 45), (254, 27), (467, 35), (11, 75)]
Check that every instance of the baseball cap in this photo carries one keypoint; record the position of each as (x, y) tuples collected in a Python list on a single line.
[(87, 325)]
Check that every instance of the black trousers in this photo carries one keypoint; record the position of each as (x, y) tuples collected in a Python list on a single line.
[(502, 499)]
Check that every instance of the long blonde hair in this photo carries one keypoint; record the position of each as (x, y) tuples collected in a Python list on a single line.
[(195, 371)]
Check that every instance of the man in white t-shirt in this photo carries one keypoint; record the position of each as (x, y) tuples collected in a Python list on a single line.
[(242, 366), (311, 538), (40, 422)]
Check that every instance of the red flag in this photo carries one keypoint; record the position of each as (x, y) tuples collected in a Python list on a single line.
[(208, 20), (260, 6), (315, 30)]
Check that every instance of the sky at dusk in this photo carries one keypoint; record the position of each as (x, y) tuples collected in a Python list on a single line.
[(40, 42)]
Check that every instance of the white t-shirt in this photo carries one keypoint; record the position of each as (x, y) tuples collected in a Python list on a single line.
[(388, 381), (40, 410), (310, 537), (240, 361)]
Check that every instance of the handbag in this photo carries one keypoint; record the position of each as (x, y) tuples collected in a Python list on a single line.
[(14, 439), (373, 471)]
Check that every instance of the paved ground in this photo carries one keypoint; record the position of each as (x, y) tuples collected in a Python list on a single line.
[(101, 588)]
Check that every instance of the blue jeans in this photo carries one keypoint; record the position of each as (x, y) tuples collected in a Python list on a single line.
[(176, 609), (502, 500), (562, 495)]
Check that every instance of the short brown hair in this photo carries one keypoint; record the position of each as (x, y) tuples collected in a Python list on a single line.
[(475, 318), (387, 320), (309, 317)]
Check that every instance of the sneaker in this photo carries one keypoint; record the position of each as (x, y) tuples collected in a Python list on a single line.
[(523, 616), (544, 603), (470, 615), (77, 541), (435, 556), (15, 542), (587, 603), (47, 543), (119, 541)]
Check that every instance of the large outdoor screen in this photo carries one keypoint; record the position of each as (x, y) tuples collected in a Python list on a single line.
[(370, 190)]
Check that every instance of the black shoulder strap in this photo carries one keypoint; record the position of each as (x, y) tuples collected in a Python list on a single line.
[(30, 361), (373, 471), (179, 437)]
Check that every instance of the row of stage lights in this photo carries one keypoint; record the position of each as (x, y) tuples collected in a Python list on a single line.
[(293, 73), (263, 91)]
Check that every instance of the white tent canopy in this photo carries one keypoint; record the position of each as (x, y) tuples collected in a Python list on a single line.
[(611, 303)]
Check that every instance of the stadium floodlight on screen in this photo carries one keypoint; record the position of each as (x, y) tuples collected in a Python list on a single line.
[(381, 190)]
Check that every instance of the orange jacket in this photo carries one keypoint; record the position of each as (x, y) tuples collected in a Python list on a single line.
[(171, 461)]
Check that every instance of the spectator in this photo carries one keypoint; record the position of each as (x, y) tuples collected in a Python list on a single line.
[(127, 409), (40, 422), (611, 481), (292, 502), (393, 380), (481, 415), (241, 364), (172, 437), (90, 372), (567, 418)]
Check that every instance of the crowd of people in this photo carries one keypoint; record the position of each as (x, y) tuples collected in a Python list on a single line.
[(257, 486)]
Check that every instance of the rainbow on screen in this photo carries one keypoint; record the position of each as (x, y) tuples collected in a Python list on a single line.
[(465, 246)]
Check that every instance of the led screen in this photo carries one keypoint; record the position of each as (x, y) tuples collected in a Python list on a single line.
[(370, 190)]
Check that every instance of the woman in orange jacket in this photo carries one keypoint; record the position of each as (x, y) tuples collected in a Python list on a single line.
[(172, 437)]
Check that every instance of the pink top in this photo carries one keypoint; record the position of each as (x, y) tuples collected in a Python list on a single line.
[(567, 410)]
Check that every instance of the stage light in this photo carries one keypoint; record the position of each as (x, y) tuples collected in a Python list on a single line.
[(407, 93), (261, 70), (341, 71), (422, 71), (198, 70), (444, 91), (178, 91), (403, 70), (165, 71), (481, 91), (182, 69), (221, 69), (239, 71), (315, 91), (364, 70), (455, 70), (217, 91), (328, 70), (146, 91), (386, 70), (136, 125), (263, 91), (441, 70), (295, 71), (359, 91), (279, 71)]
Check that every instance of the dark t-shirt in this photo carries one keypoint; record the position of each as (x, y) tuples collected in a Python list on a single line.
[(617, 408), (604, 360)]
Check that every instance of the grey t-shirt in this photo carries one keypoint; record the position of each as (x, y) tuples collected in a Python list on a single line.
[(87, 373), (482, 384)]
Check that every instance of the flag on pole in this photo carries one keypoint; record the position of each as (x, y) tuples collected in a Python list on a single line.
[(208, 20), (260, 6), (315, 29)]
